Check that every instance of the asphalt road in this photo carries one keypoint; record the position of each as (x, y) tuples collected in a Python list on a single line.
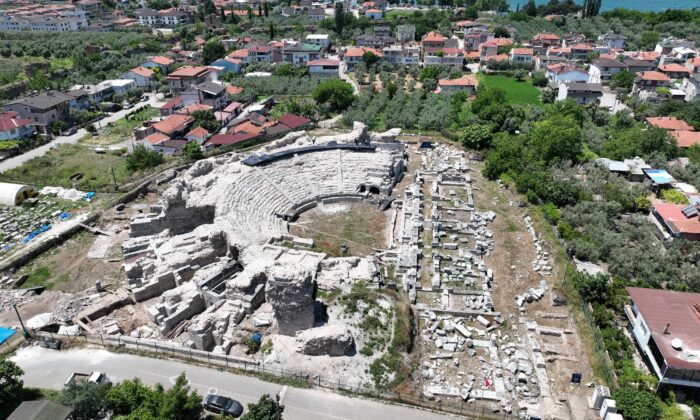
[(50, 368), (18, 160)]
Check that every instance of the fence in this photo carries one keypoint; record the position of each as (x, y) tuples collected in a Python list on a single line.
[(251, 366)]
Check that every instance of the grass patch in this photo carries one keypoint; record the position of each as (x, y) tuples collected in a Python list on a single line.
[(39, 277), (8, 144), (57, 166), (123, 129), (517, 93)]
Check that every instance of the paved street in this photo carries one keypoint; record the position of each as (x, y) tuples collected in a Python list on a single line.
[(18, 160), (49, 369)]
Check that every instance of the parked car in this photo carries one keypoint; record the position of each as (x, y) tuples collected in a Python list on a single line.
[(218, 404), (72, 131), (94, 377), (144, 98)]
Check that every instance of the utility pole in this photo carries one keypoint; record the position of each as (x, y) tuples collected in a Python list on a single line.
[(26, 333), (114, 178)]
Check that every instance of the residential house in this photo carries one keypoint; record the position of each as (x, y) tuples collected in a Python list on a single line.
[(432, 42), (543, 61), (634, 65), (259, 54), (651, 56), (406, 33), (374, 14), (41, 410), (674, 70), (241, 55), (650, 80), (43, 108), (602, 70), (294, 122), (207, 93), (669, 123), (324, 67), (466, 83), (613, 41), (163, 63), (521, 55), (402, 55), (693, 65), (370, 41), (353, 56), (580, 51), (161, 18), (12, 127), (666, 45), (566, 73), (322, 40), (317, 14), (185, 77), (170, 147), (143, 76), (223, 140), (228, 65), (691, 87), (301, 54), (453, 57), (291, 11), (581, 93), (683, 53), (172, 106), (198, 134), (153, 139), (544, 40), (571, 38), (381, 30), (119, 86), (474, 39), (173, 126), (665, 323)]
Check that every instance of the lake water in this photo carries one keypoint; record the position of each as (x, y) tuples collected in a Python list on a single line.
[(644, 5)]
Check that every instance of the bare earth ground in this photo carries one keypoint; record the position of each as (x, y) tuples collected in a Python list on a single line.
[(361, 227)]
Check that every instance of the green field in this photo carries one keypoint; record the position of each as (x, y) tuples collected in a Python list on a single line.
[(122, 130), (518, 93), (56, 167)]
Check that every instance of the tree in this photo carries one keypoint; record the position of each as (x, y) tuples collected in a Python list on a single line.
[(142, 158), (634, 404), (591, 8), (530, 8), (622, 80), (557, 138), (10, 386), (192, 151), (591, 288), (179, 402), (336, 93), (539, 78), (501, 32), (339, 18), (86, 399), (369, 58), (212, 51), (266, 10), (126, 397), (205, 119), (272, 30), (476, 136), (265, 409)]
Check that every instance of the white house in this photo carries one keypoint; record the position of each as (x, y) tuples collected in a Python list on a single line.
[(12, 127), (374, 14), (321, 40), (665, 326), (602, 70), (522, 55), (565, 73), (143, 76), (581, 93), (613, 41), (119, 86), (324, 67)]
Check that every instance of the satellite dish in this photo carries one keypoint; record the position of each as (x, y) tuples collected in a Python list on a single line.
[(677, 343)]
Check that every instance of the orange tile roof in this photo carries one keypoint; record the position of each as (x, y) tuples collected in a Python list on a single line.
[(653, 76), (199, 132), (360, 51), (646, 55), (189, 109), (173, 123), (374, 11), (242, 53), (156, 138), (521, 51), (669, 123), (142, 71), (462, 81), (233, 90), (246, 127), (674, 68), (189, 71), (433, 37), (686, 138), (546, 36), (163, 61)]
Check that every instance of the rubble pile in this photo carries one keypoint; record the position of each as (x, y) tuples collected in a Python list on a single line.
[(19, 225), (541, 262), (331, 340)]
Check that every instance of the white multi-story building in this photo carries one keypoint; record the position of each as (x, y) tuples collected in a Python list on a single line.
[(60, 21)]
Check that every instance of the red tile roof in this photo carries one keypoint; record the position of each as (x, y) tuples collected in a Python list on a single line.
[(521, 51), (323, 62), (373, 11), (156, 138), (189, 109), (652, 76), (433, 37), (219, 140), (142, 71), (686, 138), (360, 51), (673, 68), (163, 61), (173, 124), (546, 36), (669, 123), (232, 106), (462, 81), (293, 121), (679, 309), (246, 127), (199, 132), (242, 53), (189, 71), (10, 121), (233, 90), (172, 103)]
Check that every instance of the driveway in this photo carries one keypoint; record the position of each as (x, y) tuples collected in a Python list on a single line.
[(19, 160), (50, 368), (609, 101)]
